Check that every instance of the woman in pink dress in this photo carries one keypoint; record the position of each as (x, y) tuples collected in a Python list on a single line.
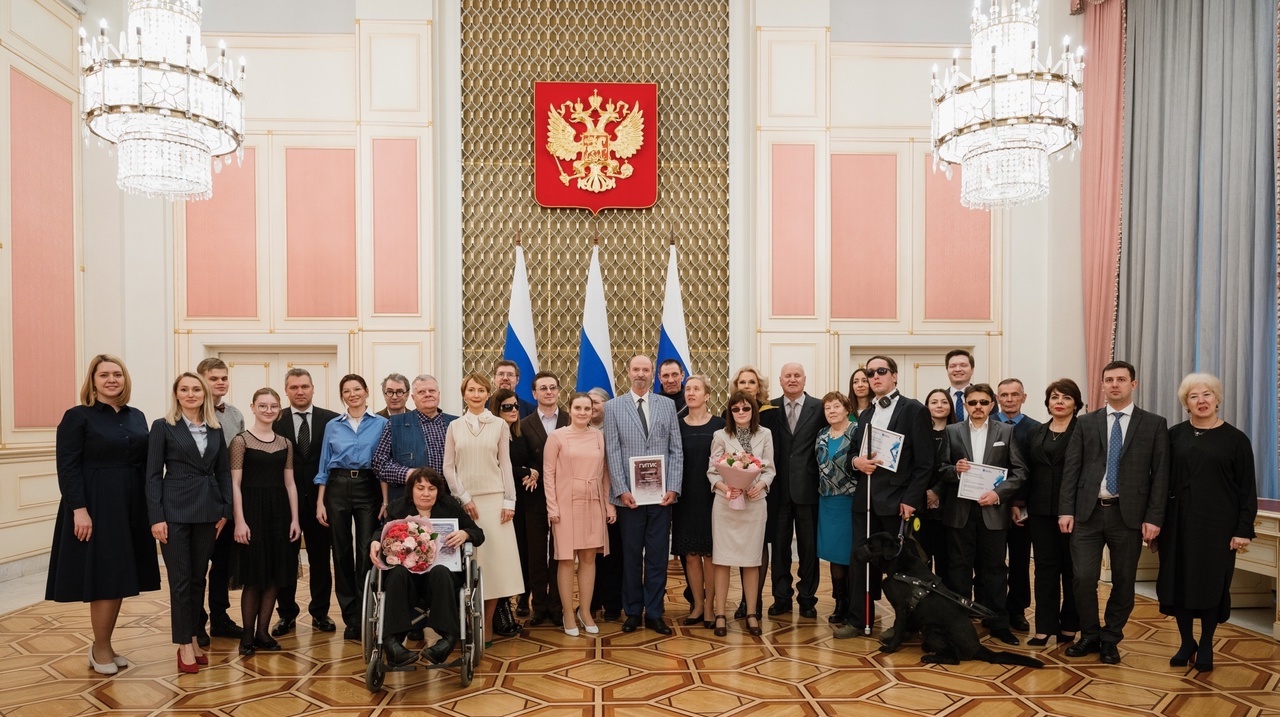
[(577, 505)]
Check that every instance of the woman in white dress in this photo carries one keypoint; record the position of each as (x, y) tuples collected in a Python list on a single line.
[(477, 466)]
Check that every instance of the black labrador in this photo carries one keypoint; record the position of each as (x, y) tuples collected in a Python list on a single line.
[(949, 635)]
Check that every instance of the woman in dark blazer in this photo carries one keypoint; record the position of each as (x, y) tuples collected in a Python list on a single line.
[(189, 501), (1055, 595), (424, 496)]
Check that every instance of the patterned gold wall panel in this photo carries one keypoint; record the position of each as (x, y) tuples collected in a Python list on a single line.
[(507, 45)]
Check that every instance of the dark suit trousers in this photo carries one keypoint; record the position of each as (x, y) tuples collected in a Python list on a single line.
[(1019, 569), (646, 548), (186, 554), (319, 543), (351, 502), (538, 544), (859, 580), (976, 544), (1055, 592), (608, 590), (802, 520), (436, 590), (220, 575), (1105, 528)]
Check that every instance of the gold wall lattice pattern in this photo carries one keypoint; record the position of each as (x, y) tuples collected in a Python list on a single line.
[(507, 45)]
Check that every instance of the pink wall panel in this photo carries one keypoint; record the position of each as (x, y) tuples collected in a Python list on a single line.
[(395, 226), (222, 245), (864, 236), (320, 215), (792, 229), (957, 251), (42, 138)]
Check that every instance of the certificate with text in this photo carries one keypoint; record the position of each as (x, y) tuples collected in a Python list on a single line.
[(648, 479), (979, 479), (887, 445)]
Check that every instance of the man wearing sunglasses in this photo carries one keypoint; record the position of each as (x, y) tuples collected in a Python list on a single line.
[(531, 500), (884, 498), (395, 392), (977, 530)]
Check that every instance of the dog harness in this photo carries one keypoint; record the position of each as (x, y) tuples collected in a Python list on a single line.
[(920, 589)]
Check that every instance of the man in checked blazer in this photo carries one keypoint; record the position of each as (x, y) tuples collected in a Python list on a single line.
[(978, 530), (639, 423), (1115, 481)]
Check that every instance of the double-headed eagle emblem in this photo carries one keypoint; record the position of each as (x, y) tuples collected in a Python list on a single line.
[(599, 159)]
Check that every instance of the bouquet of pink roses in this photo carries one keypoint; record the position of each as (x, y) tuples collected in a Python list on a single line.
[(739, 470), (409, 542)]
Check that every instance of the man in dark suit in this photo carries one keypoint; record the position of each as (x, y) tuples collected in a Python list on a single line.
[(304, 424), (506, 374), (977, 529), (532, 499), (1115, 482), (884, 497), (1011, 395), (671, 384), (794, 494)]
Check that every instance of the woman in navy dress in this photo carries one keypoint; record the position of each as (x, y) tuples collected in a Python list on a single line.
[(102, 548), (691, 515)]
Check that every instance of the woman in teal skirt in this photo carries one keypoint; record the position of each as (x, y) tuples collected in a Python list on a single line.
[(836, 486)]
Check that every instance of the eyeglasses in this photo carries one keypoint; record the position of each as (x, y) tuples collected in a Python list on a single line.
[(395, 392), (508, 407), (978, 402), (740, 409), (882, 371)]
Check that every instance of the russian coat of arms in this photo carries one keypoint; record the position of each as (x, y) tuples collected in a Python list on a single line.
[(596, 145)]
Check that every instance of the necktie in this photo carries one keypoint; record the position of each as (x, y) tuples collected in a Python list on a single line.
[(792, 415), (1009, 421), (959, 405), (304, 435), (1114, 447), (644, 423), (220, 408)]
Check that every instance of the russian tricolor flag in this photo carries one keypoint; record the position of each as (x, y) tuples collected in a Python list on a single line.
[(673, 340), (521, 347), (595, 355)]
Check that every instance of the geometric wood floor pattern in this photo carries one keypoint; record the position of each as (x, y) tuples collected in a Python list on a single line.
[(796, 668)]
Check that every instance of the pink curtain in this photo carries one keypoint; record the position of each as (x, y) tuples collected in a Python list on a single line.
[(1100, 179)]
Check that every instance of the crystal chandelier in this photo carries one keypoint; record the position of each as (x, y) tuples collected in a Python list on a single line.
[(1001, 122), (158, 98)]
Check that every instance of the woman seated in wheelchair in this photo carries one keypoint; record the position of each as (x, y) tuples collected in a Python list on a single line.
[(437, 589)]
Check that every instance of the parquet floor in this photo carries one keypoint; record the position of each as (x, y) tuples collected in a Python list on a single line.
[(796, 668)]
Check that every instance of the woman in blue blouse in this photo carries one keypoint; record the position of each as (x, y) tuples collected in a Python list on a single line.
[(835, 496), (350, 494)]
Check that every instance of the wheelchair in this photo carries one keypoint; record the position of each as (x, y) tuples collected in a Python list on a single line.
[(470, 610)]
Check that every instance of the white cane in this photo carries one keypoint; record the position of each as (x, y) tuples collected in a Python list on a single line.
[(866, 594)]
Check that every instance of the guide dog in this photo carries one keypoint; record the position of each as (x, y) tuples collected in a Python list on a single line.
[(921, 604)]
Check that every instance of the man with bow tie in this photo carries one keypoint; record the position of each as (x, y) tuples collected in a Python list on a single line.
[(884, 498), (215, 373)]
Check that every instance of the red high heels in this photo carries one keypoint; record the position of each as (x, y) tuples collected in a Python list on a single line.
[(189, 668)]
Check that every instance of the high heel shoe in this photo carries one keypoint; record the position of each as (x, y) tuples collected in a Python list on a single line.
[(1038, 641), (692, 620), (1066, 638), (1204, 663), (753, 630), (721, 626), (1184, 655), (102, 668), (247, 649), (202, 660), (571, 626), (189, 668), (591, 629)]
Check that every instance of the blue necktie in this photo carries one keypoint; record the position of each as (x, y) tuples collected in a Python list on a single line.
[(1114, 447), (959, 405)]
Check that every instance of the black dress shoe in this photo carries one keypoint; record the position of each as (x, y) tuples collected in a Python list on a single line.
[(268, 644), (1004, 635), (611, 615), (780, 607), (538, 619), (1038, 641), (632, 622), (1086, 646), (556, 619), (397, 655), (247, 650), (202, 637), (284, 626), (808, 611), (1109, 654), (658, 626), (439, 652), (522, 605), (225, 627), (692, 620), (741, 612), (1018, 622), (351, 632), (321, 623)]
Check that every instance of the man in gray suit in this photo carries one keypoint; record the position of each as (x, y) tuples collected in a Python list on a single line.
[(1115, 481), (977, 530), (639, 423)]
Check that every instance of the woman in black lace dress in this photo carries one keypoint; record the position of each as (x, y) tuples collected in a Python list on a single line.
[(266, 513)]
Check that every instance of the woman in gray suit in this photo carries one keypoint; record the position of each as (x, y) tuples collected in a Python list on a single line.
[(189, 501)]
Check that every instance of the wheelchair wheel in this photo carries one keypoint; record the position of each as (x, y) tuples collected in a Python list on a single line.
[(374, 672), (477, 620), (369, 619), (467, 670)]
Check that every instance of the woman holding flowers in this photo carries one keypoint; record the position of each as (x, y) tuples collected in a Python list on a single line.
[(738, 514), (437, 587)]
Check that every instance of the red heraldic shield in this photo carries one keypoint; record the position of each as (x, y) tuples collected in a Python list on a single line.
[(595, 145)]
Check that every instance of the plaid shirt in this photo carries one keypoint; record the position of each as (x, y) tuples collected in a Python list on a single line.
[(433, 432)]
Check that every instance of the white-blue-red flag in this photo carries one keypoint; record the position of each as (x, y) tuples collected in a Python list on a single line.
[(673, 339), (521, 345), (595, 355)]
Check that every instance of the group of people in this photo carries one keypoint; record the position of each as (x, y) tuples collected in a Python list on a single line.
[(605, 490)]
